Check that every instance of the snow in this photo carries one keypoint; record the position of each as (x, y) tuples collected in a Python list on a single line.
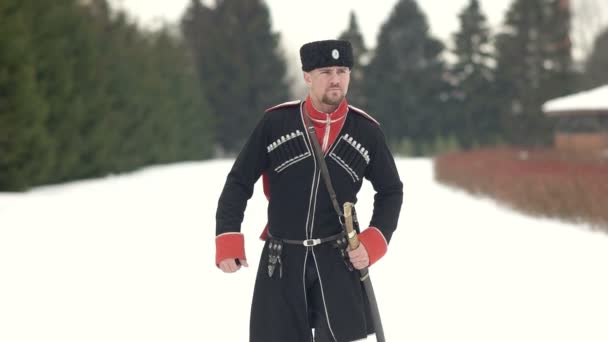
[(590, 100), (130, 258)]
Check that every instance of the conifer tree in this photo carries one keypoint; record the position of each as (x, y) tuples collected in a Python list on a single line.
[(84, 93), (559, 76), (534, 64), (241, 74), (596, 66), (356, 93), (62, 50), (476, 112), (405, 80), (25, 157), (185, 123)]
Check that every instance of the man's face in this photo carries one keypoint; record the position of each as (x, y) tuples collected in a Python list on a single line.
[(328, 85)]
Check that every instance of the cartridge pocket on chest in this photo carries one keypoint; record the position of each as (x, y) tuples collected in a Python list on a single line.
[(287, 151), (351, 156)]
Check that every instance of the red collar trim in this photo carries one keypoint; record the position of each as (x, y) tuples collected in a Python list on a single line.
[(321, 117)]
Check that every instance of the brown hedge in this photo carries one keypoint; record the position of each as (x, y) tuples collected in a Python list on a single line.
[(538, 182)]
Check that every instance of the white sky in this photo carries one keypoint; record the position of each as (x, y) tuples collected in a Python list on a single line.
[(131, 258)]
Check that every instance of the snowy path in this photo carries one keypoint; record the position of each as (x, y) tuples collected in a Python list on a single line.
[(130, 258)]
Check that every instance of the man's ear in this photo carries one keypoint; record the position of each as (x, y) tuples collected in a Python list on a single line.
[(307, 78)]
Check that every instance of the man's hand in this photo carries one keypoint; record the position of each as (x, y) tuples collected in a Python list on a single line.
[(359, 257), (230, 265)]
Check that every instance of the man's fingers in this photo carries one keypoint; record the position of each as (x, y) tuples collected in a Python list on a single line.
[(229, 266), (359, 257), (357, 253)]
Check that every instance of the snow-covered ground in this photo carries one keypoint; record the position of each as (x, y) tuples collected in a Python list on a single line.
[(131, 258)]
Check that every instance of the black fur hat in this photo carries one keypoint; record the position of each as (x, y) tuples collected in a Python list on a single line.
[(326, 53)]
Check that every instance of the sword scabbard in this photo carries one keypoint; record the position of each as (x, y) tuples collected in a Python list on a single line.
[(350, 223)]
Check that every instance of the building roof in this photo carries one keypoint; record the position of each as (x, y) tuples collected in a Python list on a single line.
[(589, 101)]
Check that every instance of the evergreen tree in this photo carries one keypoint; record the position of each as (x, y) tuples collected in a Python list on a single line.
[(241, 74), (62, 57), (596, 66), (405, 81), (534, 64), (559, 76), (186, 122), (356, 93), (84, 92), (94, 73), (147, 104), (24, 154), (475, 108)]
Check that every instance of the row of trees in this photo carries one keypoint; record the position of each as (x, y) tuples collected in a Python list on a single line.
[(492, 93), (84, 93)]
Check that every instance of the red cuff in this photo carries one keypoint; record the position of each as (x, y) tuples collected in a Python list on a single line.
[(229, 245), (374, 243)]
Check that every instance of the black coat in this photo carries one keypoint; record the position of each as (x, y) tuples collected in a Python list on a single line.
[(300, 208)]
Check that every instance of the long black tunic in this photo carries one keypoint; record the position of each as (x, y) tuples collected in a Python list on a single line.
[(300, 208)]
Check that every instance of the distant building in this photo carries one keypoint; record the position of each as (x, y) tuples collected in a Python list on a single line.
[(582, 120)]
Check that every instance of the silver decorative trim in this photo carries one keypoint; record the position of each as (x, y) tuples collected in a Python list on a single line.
[(292, 161), (345, 166)]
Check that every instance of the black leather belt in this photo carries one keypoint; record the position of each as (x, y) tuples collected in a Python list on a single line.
[(309, 242)]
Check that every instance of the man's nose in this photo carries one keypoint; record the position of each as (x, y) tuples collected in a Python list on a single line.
[(334, 79)]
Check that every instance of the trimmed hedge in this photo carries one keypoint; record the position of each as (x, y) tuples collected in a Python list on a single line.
[(538, 182)]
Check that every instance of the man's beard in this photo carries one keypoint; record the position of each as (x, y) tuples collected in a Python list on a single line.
[(332, 101)]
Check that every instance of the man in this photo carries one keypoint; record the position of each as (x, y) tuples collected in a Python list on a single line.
[(305, 280)]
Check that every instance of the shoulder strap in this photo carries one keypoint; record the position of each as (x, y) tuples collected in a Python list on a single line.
[(322, 165)]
